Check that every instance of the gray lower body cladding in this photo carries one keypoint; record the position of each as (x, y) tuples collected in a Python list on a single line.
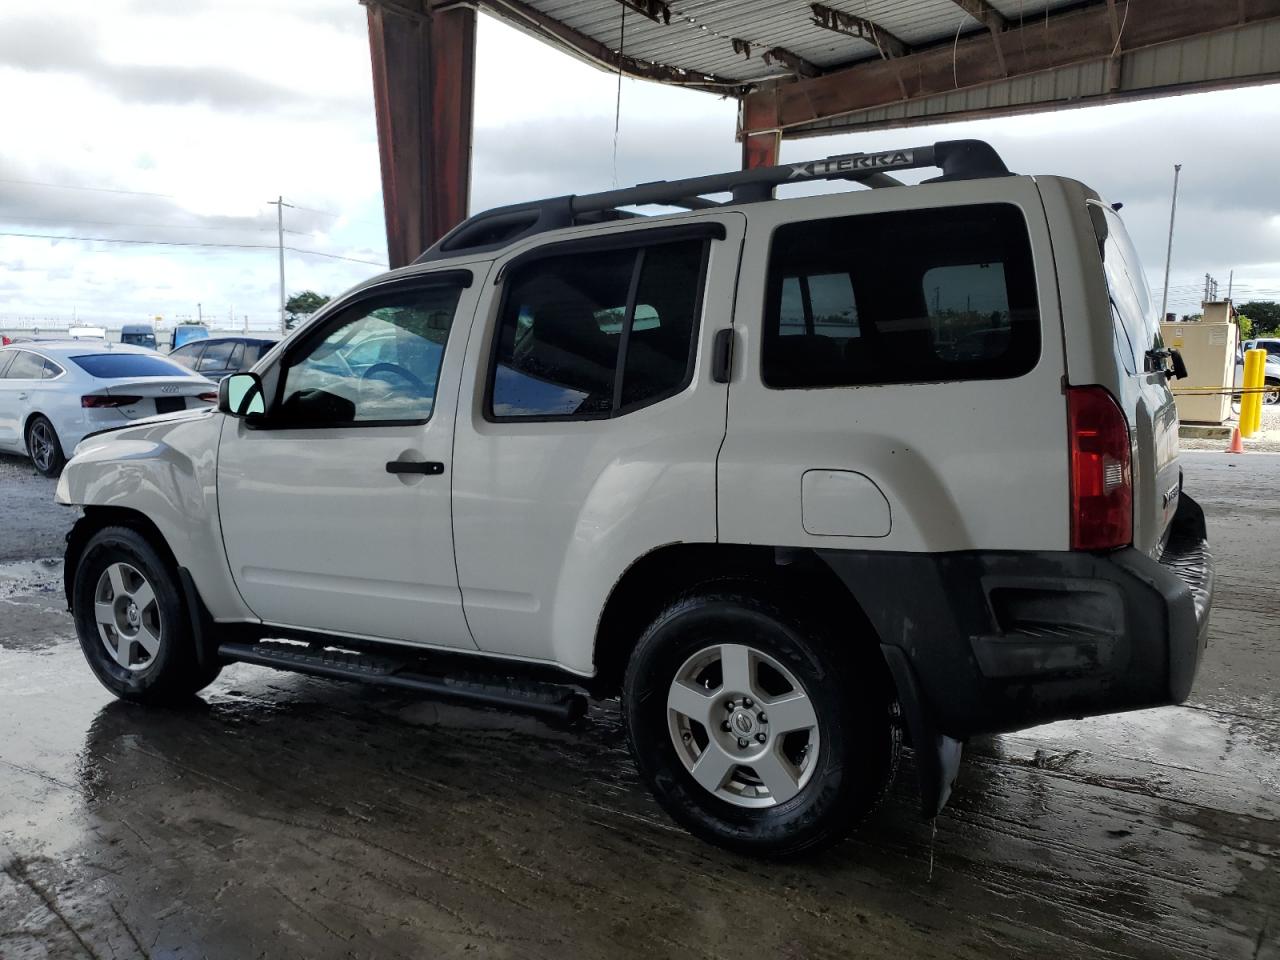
[(1000, 641)]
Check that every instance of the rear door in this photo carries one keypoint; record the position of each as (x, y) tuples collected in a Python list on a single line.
[(1144, 394), (589, 437), (19, 370)]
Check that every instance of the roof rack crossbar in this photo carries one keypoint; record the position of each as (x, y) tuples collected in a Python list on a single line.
[(958, 160)]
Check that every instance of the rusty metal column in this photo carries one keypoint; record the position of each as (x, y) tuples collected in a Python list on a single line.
[(423, 96), (761, 139)]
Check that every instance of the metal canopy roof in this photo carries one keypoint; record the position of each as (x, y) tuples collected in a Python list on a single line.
[(945, 58), (730, 43)]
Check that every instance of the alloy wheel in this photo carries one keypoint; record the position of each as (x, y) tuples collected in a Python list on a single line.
[(743, 725), (128, 616), (42, 445)]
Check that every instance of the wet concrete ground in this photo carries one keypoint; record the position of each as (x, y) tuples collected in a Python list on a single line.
[(287, 817)]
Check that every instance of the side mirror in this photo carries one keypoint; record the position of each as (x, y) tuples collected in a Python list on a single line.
[(1179, 365), (240, 395)]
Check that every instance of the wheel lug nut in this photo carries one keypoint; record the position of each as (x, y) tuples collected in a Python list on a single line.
[(746, 702), (686, 736), (762, 718), (760, 737), (743, 742), (724, 725), (729, 705)]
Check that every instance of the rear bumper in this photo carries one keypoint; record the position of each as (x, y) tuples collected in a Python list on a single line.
[(1000, 641)]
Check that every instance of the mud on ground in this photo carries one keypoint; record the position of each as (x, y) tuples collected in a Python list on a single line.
[(289, 817)]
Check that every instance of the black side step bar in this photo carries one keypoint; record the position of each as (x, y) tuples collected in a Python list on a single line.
[(544, 699)]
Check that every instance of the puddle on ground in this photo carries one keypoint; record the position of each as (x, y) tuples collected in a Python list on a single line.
[(21, 578)]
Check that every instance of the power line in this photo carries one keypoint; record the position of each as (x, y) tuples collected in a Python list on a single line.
[(72, 186), (192, 243), (154, 226)]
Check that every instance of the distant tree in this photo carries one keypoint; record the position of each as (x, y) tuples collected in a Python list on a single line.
[(1189, 317), (1246, 326), (302, 305), (1265, 315)]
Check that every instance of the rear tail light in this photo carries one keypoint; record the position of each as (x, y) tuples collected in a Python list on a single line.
[(93, 401), (210, 397), (1101, 475)]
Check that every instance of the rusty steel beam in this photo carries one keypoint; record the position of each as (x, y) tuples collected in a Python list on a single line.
[(655, 10), (984, 13), (550, 30), (797, 64), (1080, 35), (423, 95), (854, 26)]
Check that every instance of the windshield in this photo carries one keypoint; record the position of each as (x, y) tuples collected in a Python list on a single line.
[(117, 366)]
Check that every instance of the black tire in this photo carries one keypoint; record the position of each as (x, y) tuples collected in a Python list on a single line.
[(847, 685), (44, 447), (172, 674), (1272, 396)]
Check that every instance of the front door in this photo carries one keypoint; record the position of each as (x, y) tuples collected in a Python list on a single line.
[(335, 507)]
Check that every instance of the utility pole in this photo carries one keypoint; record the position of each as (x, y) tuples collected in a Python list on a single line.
[(1231, 277), (200, 313), (279, 204), (1168, 254)]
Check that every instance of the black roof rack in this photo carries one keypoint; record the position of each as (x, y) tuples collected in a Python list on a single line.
[(501, 226)]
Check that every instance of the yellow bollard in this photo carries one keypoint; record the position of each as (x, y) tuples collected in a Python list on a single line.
[(1251, 392), (1260, 384)]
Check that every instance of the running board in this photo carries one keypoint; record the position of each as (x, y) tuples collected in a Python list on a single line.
[(544, 699)]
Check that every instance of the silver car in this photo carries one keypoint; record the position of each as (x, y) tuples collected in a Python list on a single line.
[(54, 393)]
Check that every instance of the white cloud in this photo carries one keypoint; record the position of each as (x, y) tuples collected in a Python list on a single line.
[(220, 105)]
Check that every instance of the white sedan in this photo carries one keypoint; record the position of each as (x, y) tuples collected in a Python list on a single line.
[(52, 394)]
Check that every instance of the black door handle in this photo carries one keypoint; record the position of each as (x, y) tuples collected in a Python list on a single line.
[(431, 468)]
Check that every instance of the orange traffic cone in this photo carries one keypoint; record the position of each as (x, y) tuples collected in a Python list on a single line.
[(1237, 445)]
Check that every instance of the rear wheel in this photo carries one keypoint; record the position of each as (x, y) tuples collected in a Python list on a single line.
[(1272, 396), (755, 729), (132, 620), (44, 447)]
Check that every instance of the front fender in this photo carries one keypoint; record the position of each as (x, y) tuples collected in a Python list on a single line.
[(167, 472)]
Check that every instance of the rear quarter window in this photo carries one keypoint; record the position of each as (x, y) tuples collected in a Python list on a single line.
[(118, 366), (901, 297)]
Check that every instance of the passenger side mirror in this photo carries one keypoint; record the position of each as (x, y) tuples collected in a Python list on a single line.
[(240, 395), (1179, 365)]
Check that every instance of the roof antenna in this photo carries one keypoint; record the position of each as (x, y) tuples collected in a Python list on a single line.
[(617, 108)]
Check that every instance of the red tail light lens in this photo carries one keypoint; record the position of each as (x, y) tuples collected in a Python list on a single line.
[(1101, 474), (94, 401), (211, 397)]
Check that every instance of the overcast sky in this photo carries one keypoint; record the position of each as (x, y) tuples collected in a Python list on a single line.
[(163, 121)]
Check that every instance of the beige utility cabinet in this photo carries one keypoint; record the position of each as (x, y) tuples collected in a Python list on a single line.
[(1209, 350)]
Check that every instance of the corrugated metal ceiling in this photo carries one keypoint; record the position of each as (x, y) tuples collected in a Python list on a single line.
[(700, 36)]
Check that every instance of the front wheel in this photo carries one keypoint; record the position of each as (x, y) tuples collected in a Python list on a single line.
[(44, 447), (1272, 396), (132, 620), (756, 730)]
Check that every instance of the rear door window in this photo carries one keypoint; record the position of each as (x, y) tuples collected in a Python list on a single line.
[(216, 356), (901, 297), (188, 356), (600, 334)]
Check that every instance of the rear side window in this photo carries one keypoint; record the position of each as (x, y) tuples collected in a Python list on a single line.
[(117, 366), (51, 370), (25, 366), (596, 335), (901, 297), (1137, 327)]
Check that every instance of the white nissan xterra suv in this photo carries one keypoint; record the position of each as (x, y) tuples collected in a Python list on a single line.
[(793, 477)]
